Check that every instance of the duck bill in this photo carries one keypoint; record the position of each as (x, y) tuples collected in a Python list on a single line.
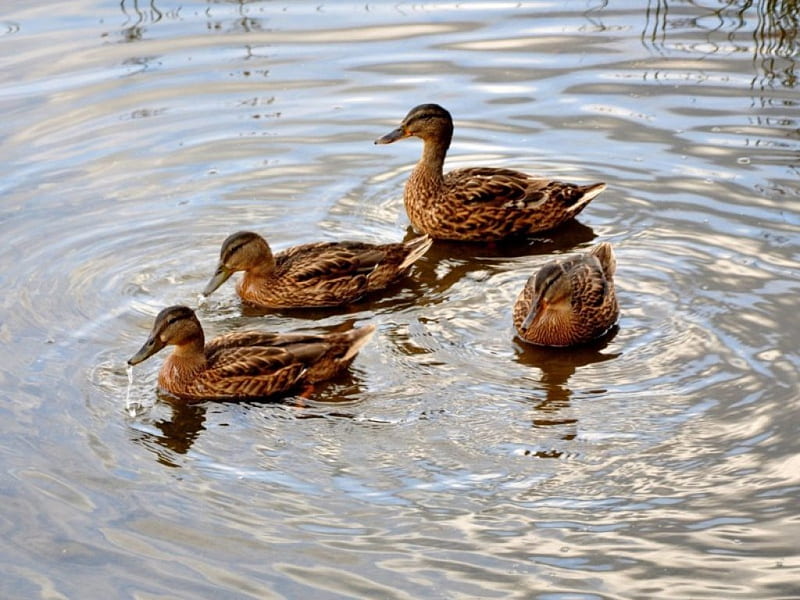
[(392, 136), (534, 314), (151, 346), (221, 276)]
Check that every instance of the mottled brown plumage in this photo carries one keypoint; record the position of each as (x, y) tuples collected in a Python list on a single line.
[(569, 301), (243, 365), (480, 203), (319, 274)]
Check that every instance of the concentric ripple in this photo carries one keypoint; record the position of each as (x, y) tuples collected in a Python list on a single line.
[(453, 460)]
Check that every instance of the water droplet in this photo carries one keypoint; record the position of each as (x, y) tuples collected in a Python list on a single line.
[(131, 406)]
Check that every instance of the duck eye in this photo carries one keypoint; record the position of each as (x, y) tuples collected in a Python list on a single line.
[(172, 320), (233, 249)]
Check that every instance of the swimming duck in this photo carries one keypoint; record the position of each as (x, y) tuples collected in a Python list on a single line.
[(479, 203), (318, 274), (243, 365), (569, 301)]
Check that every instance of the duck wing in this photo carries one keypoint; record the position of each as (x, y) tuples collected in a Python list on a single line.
[(247, 371), (588, 280), (250, 339), (511, 189), (482, 185), (328, 260)]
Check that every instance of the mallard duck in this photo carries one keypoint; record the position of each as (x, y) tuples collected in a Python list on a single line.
[(569, 301), (319, 274), (479, 203), (243, 365)]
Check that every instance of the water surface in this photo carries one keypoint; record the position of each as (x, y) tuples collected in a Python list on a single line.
[(452, 461)]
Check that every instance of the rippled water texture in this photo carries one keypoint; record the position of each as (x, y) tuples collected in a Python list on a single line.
[(452, 462)]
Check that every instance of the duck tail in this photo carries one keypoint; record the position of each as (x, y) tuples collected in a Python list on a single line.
[(416, 249), (605, 254), (356, 339), (589, 193)]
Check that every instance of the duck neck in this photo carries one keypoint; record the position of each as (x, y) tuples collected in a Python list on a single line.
[(185, 362), (258, 278), (429, 169)]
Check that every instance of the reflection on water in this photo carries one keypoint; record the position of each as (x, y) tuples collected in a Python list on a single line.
[(175, 433), (447, 263), (767, 30), (137, 15), (557, 365), (659, 462)]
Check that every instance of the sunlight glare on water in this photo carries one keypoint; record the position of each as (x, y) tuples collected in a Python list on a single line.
[(452, 460)]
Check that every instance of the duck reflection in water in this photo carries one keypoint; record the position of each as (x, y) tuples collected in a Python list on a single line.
[(557, 365), (174, 435)]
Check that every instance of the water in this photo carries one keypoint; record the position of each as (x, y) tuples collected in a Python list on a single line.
[(452, 461)]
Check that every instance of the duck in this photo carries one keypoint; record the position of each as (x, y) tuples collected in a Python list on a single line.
[(569, 301), (243, 365), (478, 203), (320, 274)]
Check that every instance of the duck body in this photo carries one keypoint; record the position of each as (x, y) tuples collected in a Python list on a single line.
[(478, 203), (569, 301), (312, 275), (244, 365)]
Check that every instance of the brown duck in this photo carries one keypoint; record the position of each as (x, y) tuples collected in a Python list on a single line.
[(569, 301), (319, 274), (247, 364), (479, 203)]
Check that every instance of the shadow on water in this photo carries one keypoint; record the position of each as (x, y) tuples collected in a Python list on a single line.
[(446, 263), (767, 29)]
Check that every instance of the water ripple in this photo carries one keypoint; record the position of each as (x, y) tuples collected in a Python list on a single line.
[(453, 460)]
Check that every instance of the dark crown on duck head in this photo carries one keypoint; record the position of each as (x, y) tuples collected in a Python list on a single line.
[(236, 241), (427, 111)]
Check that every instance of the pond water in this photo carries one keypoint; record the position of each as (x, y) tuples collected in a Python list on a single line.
[(452, 461)]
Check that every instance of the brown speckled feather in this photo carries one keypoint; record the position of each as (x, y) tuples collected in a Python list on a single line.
[(248, 339), (250, 364), (569, 301), (327, 260), (479, 203), (216, 384), (318, 274), (487, 186)]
